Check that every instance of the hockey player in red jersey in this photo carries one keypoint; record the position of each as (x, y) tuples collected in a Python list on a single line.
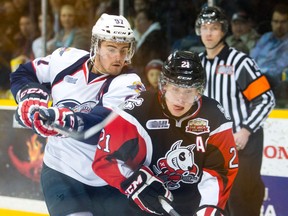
[(78, 80), (176, 144), (182, 137)]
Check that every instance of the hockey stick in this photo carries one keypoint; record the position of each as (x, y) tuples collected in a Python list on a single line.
[(167, 207), (88, 133)]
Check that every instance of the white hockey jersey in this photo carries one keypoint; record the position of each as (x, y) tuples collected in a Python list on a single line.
[(67, 73)]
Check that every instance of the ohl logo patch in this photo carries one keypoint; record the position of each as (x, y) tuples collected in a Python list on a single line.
[(153, 124), (198, 126)]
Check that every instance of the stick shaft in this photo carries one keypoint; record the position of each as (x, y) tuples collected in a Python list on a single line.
[(167, 207)]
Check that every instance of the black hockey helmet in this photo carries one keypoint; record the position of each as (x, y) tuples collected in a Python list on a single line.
[(183, 69), (209, 15)]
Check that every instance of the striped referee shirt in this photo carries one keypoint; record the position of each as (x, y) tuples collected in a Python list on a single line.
[(235, 81)]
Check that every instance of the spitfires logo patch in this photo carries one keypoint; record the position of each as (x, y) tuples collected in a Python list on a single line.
[(225, 69), (177, 166), (198, 126), (137, 86)]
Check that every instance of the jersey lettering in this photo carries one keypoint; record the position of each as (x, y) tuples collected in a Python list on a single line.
[(200, 144), (232, 163), (104, 139)]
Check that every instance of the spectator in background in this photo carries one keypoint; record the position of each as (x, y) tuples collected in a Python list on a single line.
[(151, 44), (271, 50), (55, 7), (8, 28), (9, 19), (38, 43), (6, 49), (138, 5), (106, 6), (70, 35), (22, 6), (243, 36), (152, 71), (86, 12), (23, 41)]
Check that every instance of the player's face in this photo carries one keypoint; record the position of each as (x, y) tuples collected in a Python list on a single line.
[(111, 57), (211, 34), (179, 100)]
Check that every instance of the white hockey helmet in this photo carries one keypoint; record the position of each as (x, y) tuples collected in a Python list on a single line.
[(112, 28)]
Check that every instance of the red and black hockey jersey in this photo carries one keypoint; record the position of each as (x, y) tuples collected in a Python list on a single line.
[(195, 155)]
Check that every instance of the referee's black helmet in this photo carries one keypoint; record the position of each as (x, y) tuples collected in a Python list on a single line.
[(211, 14)]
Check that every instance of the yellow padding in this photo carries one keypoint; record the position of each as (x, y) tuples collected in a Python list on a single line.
[(7, 212)]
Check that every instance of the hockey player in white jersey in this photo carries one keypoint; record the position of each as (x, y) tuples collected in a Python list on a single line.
[(79, 80)]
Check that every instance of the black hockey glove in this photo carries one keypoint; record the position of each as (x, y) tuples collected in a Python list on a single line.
[(144, 188), (46, 119), (30, 98)]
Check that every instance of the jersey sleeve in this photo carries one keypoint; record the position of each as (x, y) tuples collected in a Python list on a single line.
[(220, 167), (24, 74), (256, 89), (43, 70), (122, 148)]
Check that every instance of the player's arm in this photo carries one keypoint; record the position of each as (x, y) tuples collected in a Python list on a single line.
[(36, 71), (28, 92), (122, 150), (220, 167), (256, 89)]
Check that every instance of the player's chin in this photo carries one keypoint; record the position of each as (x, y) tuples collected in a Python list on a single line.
[(115, 72)]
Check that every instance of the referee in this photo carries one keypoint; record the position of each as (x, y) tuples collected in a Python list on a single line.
[(234, 80)]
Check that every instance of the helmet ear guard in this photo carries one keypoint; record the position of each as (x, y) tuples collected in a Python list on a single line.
[(115, 29), (211, 15), (183, 69)]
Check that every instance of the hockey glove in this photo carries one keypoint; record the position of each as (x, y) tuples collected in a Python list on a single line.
[(144, 188), (46, 119), (30, 99)]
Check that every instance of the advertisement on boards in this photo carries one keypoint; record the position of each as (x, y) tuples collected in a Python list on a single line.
[(275, 167)]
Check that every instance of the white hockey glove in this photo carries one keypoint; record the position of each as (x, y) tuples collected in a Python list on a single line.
[(46, 119), (209, 210), (31, 98), (144, 189)]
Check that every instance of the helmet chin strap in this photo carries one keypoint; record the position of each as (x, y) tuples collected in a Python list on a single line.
[(95, 67)]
